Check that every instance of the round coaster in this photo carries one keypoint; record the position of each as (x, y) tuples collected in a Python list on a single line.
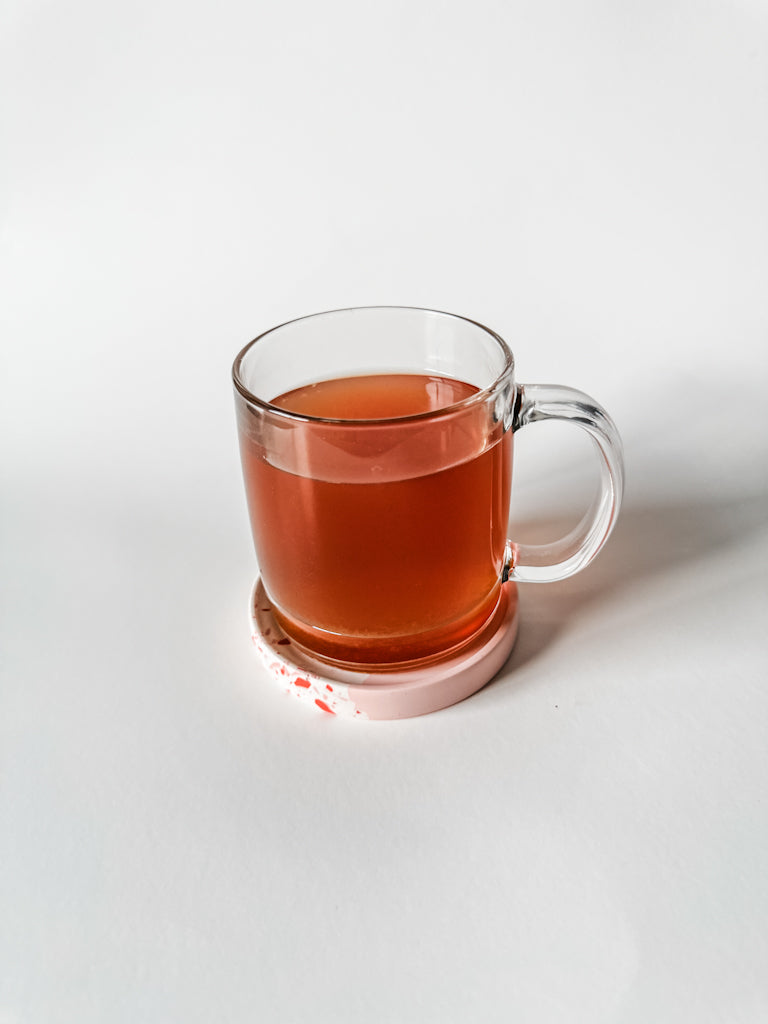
[(384, 695)]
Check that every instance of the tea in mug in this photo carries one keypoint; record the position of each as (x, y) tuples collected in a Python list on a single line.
[(382, 571)]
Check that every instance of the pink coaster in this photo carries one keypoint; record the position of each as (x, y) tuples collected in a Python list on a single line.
[(403, 694)]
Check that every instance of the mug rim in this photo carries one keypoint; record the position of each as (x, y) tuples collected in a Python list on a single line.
[(477, 398)]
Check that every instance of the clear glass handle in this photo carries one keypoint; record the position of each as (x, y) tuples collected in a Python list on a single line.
[(545, 563)]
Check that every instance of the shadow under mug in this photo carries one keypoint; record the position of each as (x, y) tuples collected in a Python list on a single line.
[(382, 540)]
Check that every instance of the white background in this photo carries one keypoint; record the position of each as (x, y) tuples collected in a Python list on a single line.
[(583, 841)]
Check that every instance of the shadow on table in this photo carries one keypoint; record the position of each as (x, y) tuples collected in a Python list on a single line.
[(652, 541)]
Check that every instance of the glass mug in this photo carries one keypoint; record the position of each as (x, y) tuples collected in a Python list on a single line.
[(376, 447)]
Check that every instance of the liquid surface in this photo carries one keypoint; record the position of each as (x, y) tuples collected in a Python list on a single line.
[(376, 396), (380, 573)]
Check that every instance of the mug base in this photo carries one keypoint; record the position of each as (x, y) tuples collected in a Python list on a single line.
[(405, 693)]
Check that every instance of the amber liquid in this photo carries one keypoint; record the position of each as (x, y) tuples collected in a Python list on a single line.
[(383, 573)]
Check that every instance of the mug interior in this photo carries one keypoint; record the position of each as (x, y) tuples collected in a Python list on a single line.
[(368, 340)]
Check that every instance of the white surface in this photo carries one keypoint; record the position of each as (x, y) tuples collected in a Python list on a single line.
[(585, 840)]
